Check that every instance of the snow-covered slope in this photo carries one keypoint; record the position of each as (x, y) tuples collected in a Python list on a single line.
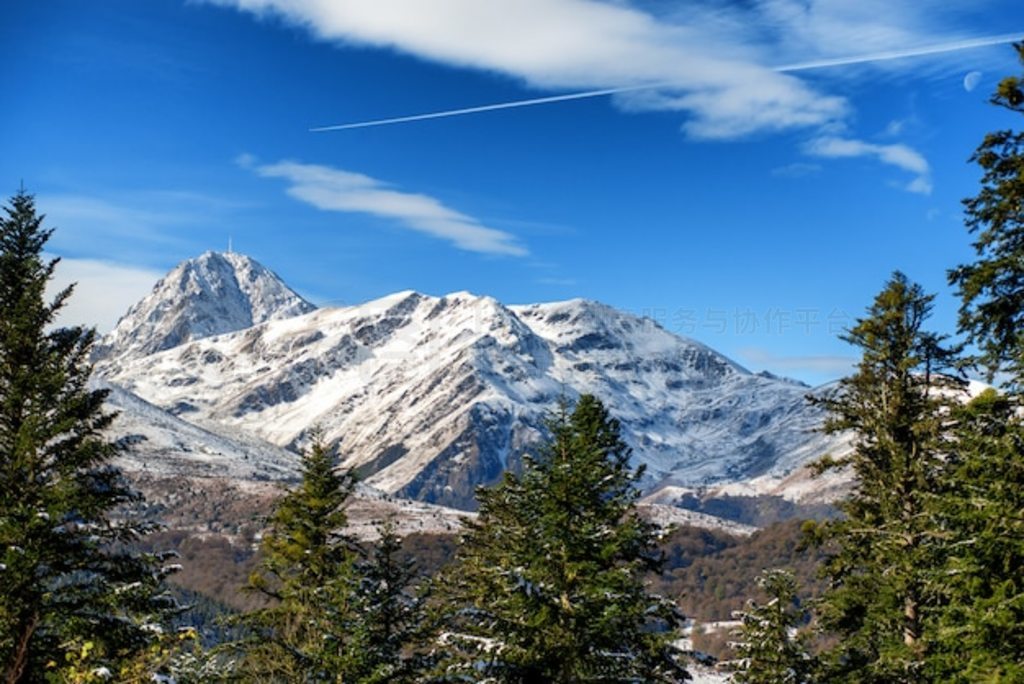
[(212, 294), (159, 444), (693, 415), (181, 466), (432, 396)]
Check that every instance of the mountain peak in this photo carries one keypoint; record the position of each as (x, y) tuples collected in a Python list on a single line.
[(583, 325), (212, 294)]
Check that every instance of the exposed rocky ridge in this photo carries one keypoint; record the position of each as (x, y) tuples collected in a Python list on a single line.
[(212, 294), (431, 396)]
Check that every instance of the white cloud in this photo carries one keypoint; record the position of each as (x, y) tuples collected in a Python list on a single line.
[(895, 127), (719, 57), (103, 292), (750, 105), (246, 160), (839, 27), (820, 366), (898, 155), (558, 44), (921, 185), (333, 189)]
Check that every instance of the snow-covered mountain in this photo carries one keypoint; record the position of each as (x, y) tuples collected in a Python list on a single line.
[(212, 294), (431, 396), (161, 444), (182, 468)]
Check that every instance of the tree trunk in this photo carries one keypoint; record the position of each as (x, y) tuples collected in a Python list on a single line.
[(17, 666), (912, 622)]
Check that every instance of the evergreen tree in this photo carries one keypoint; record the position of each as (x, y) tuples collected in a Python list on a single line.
[(886, 551), (306, 576), (982, 626), (770, 650), (981, 635), (72, 593), (390, 617), (335, 612), (548, 583), (992, 288)]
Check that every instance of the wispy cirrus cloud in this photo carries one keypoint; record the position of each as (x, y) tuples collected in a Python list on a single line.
[(897, 155), (821, 368), (137, 226), (722, 66), (332, 189), (559, 44), (76, 213), (104, 291)]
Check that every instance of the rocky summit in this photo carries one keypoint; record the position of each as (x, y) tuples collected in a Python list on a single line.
[(212, 294)]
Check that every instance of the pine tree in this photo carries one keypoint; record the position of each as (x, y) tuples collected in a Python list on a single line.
[(886, 551), (306, 575), (769, 648), (548, 583), (72, 593), (981, 633), (336, 612), (992, 288), (982, 625), (391, 618)]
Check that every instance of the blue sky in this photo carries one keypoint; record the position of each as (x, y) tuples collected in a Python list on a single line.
[(754, 210)]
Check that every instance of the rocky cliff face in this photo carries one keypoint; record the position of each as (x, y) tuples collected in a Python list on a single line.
[(212, 294)]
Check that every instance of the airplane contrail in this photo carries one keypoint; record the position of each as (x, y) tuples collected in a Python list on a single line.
[(941, 48)]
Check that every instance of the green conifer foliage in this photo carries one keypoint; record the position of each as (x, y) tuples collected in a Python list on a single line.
[(886, 551), (391, 617), (770, 648), (982, 626), (70, 588), (306, 575), (548, 584), (335, 613), (992, 288), (981, 636)]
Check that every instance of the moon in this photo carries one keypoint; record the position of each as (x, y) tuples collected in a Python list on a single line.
[(972, 80)]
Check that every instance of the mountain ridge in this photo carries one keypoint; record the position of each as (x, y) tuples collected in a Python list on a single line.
[(429, 397)]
